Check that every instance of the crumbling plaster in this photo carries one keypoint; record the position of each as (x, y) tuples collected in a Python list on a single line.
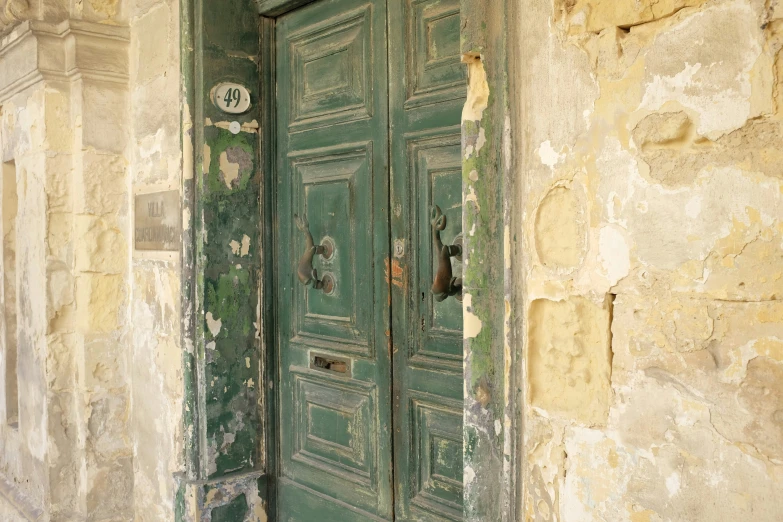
[(652, 173), (156, 165), (89, 114), (64, 103)]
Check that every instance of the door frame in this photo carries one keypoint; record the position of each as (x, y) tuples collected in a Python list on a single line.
[(215, 48)]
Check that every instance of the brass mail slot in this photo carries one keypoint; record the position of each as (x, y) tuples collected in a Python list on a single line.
[(330, 363)]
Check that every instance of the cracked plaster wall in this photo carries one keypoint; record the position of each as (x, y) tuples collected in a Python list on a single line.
[(155, 303), (99, 434), (653, 205), (66, 132)]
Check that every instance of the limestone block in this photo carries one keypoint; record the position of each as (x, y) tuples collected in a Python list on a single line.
[(31, 118), (59, 236), (697, 239), (110, 491), (32, 397), (61, 356), (59, 182), (108, 425), (15, 140), (663, 460), (107, 11), (681, 66), (54, 10), (597, 15), (101, 246), (140, 7), (728, 355), (103, 188), (560, 230), (59, 297), (104, 117), (152, 41), (152, 109), (569, 358), (59, 130), (99, 300), (65, 459), (105, 363), (694, 431), (156, 289)]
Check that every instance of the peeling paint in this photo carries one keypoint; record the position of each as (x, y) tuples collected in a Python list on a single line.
[(680, 232), (471, 323)]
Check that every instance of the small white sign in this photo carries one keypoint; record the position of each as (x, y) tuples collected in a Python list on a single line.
[(231, 98)]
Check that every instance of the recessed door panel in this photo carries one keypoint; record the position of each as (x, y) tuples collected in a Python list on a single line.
[(334, 434), (435, 166), (326, 188), (331, 75), (436, 457), (435, 73)]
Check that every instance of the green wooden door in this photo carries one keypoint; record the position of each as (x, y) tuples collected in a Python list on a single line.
[(370, 389), (335, 368), (427, 92)]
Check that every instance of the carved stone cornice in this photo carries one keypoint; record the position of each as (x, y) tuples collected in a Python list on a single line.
[(33, 51), (13, 11)]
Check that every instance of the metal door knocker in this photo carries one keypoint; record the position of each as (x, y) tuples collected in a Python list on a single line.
[(445, 284), (305, 271)]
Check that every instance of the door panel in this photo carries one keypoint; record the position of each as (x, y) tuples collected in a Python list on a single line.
[(425, 109), (335, 187), (335, 374)]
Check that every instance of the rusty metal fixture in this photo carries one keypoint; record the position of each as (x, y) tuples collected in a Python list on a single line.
[(305, 271), (445, 284)]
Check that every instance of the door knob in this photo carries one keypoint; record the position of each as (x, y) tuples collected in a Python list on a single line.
[(305, 271), (445, 284)]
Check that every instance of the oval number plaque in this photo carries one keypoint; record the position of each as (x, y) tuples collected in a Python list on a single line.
[(231, 98)]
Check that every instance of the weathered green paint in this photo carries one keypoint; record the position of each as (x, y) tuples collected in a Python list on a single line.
[(272, 8), (231, 362), (231, 512), (189, 276), (335, 153), (221, 263), (427, 92), (226, 47), (236, 498), (332, 167), (491, 398)]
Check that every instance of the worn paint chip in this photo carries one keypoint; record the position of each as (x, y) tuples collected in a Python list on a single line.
[(478, 89), (207, 160), (213, 324), (230, 170), (245, 246), (471, 323)]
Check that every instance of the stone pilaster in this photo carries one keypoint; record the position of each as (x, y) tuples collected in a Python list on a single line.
[(64, 99)]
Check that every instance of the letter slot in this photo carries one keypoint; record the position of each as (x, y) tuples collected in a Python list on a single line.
[(328, 363)]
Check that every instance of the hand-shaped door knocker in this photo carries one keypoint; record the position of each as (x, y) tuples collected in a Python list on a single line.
[(445, 284), (307, 274)]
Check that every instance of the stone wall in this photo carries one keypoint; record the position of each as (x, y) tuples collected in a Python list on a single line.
[(64, 131), (155, 286), (89, 116), (652, 197)]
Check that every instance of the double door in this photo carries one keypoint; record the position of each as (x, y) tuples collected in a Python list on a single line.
[(368, 217)]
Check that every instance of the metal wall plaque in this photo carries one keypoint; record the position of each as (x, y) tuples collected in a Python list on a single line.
[(157, 221)]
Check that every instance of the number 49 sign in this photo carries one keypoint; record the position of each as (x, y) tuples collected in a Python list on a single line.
[(231, 98)]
